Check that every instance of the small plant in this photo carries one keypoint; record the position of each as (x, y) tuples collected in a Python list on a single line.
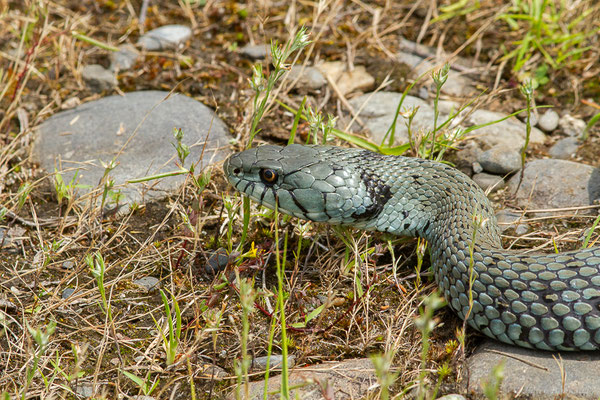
[(170, 343), (66, 190), (425, 323), (242, 366), (98, 269), (146, 384), (491, 385), (383, 369), (41, 338)]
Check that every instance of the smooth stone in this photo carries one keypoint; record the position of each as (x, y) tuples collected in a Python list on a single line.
[(379, 111), (565, 148), (571, 126), (260, 363), (508, 219), (148, 283), (510, 133), (489, 181), (348, 379), (98, 79), (522, 229), (217, 262), (347, 81), (549, 184), (165, 37), (11, 238), (423, 59), (466, 158), (7, 306), (533, 117), (68, 292), (535, 374), (85, 389), (308, 77), (96, 131), (125, 58), (255, 51), (548, 121), (500, 160), (452, 396)]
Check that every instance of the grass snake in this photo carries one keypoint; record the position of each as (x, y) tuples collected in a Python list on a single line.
[(543, 301)]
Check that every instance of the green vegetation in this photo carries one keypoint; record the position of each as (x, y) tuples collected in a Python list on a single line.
[(289, 287)]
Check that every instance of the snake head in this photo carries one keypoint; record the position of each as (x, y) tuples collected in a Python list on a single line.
[(303, 181)]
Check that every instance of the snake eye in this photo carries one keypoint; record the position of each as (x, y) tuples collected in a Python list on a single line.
[(268, 176)]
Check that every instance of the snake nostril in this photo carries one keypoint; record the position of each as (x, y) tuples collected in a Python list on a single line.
[(237, 171)]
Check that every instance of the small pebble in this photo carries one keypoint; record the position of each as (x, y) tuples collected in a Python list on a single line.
[(565, 148), (452, 396), (85, 389), (165, 37), (489, 181), (548, 121), (500, 160), (148, 283), (98, 79), (124, 59), (260, 363), (508, 219), (309, 77), (338, 301), (7, 306), (477, 168), (255, 51), (68, 292), (217, 262), (521, 229), (571, 126)]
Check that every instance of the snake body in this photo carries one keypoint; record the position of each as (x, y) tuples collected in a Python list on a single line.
[(543, 301)]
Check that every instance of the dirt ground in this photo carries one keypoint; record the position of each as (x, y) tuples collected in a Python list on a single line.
[(40, 74)]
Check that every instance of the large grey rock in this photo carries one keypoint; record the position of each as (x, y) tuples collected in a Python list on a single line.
[(379, 111), (549, 184), (536, 374), (165, 37), (137, 131), (349, 379), (509, 133)]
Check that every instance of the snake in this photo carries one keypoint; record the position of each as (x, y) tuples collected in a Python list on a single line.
[(532, 300)]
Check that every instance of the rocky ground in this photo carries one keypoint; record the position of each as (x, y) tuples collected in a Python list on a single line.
[(94, 96)]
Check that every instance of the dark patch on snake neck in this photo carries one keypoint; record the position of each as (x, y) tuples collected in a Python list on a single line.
[(379, 192)]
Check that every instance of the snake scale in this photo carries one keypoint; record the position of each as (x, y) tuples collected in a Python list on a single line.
[(543, 301)]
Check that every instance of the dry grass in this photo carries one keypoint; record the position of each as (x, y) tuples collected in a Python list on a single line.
[(40, 74)]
